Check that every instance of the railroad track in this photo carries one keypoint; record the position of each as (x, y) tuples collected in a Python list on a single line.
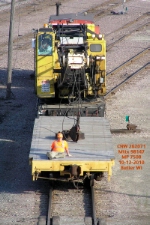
[(19, 41), (119, 39), (126, 71), (104, 8), (127, 79), (129, 61), (127, 25), (67, 205), (21, 44)]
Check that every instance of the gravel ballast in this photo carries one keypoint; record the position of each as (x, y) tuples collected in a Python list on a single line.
[(128, 192)]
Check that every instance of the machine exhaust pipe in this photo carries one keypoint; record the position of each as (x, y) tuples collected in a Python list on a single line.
[(57, 8)]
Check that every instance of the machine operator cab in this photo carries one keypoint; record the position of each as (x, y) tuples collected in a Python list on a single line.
[(45, 44)]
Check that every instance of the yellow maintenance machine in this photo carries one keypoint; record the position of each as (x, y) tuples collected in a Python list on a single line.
[(70, 63), (70, 83)]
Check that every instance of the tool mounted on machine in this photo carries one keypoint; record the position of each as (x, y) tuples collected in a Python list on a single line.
[(74, 133)]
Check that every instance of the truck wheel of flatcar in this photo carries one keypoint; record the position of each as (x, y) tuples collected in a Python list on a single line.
[(86, 183), (56, 220), (42, 220), (51, 183), (48, 112), (99, 176), (88, 220)]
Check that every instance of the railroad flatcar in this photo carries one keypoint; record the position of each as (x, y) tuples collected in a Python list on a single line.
[(90, 157)]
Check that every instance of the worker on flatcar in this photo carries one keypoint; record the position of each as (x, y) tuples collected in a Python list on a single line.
[(58, 148)]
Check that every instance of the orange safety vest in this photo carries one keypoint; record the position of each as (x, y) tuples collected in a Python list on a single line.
[(58, 146)]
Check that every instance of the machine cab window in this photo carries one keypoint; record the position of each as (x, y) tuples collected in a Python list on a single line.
[(45, 44)]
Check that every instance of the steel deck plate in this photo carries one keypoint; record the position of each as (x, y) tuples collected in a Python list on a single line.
[(97, 145)]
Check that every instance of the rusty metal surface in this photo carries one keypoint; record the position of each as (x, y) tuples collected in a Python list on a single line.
[(131, 126), (124, 131)]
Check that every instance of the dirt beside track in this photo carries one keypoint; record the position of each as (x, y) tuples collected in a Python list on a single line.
[(125, 200)]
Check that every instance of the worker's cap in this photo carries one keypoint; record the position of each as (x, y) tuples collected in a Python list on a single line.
[(59, 135)]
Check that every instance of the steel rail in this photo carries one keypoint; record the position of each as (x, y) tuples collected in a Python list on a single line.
[(47, 3), (127, 79), (93, 206), (129, 23), (105, 11), (23, 9), (128, 62), (18, 43), (125, 36), (103, 4), (21, 38), (23, 46), (49, 206), (47, 220)]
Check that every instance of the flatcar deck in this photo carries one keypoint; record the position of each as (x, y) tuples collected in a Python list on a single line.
[(97, 145)]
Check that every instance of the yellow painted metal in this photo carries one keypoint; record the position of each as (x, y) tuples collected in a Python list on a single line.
[(45, 65), (100, 63), (56, 61), (44, 72), (95, 41), (92, 28), (59, 166)]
